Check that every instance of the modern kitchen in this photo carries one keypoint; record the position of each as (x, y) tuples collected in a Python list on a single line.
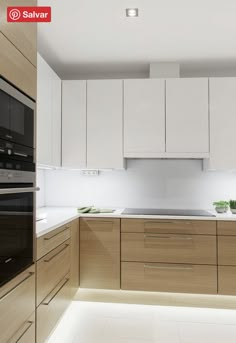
[(118, 171)]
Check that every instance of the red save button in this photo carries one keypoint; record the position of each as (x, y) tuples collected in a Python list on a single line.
[(29, 14)]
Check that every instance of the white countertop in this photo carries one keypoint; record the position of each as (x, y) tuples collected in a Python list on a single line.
[(58, 216)]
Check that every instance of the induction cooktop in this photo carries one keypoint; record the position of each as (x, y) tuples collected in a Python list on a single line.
[(167, 212)]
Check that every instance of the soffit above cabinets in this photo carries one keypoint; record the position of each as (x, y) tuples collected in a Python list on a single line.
[(94, 37)]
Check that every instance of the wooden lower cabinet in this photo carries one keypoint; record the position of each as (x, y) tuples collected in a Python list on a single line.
[(57, 276), (51, 269), (50, 241), (227, 250), (169, 248), (27, 333), (100, 253), (52, 308), (17, 303), (227, 280), (161, 277), (188, 227)]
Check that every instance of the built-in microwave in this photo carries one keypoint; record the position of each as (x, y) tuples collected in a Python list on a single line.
[(17, 116)]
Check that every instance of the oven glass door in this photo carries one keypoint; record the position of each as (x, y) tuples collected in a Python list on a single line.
[(16, 121), (16, 232)]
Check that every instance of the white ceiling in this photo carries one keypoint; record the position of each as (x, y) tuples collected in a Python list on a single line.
[(94, 36)]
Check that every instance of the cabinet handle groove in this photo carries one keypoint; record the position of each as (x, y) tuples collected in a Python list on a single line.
[(46, 303), (11, 290), (154, 266), (58, 253), (26, 326), (181, 238), (166, 222), (56, 234)]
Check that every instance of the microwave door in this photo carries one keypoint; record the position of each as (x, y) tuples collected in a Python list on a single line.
[(21, 123)]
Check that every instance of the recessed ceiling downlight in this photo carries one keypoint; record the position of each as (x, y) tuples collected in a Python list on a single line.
[(132, 12)]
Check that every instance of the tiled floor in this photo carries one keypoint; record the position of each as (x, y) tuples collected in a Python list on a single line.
[(86, 322)]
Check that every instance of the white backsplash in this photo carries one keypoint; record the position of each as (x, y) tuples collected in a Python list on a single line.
[(145, 183)]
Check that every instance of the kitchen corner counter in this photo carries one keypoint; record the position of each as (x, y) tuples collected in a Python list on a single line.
[(53, 217)]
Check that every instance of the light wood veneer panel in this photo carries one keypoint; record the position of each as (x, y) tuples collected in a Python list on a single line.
[(201, 227), (100, 253), (178, 278), (193, 249)]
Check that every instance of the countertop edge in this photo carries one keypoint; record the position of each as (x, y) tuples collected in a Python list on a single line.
[(43, 227)]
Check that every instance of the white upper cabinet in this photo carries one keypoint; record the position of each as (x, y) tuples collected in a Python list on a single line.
[(222, 124), (74, 124), (105, 124), (144, 118), (48, 116), (187, 118), (44, 113)]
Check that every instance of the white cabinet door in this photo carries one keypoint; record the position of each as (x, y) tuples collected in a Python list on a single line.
[(56, 120), (105, 124), (74, 124), (222, 124), (187, 117), (144, 118), (44, 113), (48, 116)]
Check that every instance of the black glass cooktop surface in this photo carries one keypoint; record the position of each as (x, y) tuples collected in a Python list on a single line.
[(167, 212)]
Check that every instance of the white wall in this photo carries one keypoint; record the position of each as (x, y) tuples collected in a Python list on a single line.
[(145, 183), (40, 182)]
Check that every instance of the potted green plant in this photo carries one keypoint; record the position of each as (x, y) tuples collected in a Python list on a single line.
[(232, 204), (221, 206)]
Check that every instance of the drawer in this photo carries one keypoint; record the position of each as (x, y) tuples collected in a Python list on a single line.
[(227, 250), (27, 333), (17, 303), (52, 308), (227, 280), (162, 277), (194, 227), (170, 248), (16, 68), (226, 228), (51, 269), (52, 240)]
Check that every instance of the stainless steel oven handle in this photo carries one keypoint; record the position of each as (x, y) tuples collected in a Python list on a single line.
[(19, 190), (20, 154)]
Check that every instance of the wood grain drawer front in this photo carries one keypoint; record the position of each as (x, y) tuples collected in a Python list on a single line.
[(16, 68), (169, 248), (51, 269), (169, 226), (226, 228), (100, 253), (52, 240), (227, 250), (169, 277), (27, 333), (227, 280), (22, 35), (52, 308), (17, 303)]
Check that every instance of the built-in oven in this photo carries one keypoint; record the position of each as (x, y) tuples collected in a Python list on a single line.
[(17, 181), (17, 113), (17, 224)]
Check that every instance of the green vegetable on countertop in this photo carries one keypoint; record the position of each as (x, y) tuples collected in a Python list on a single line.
[(93, 210)]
